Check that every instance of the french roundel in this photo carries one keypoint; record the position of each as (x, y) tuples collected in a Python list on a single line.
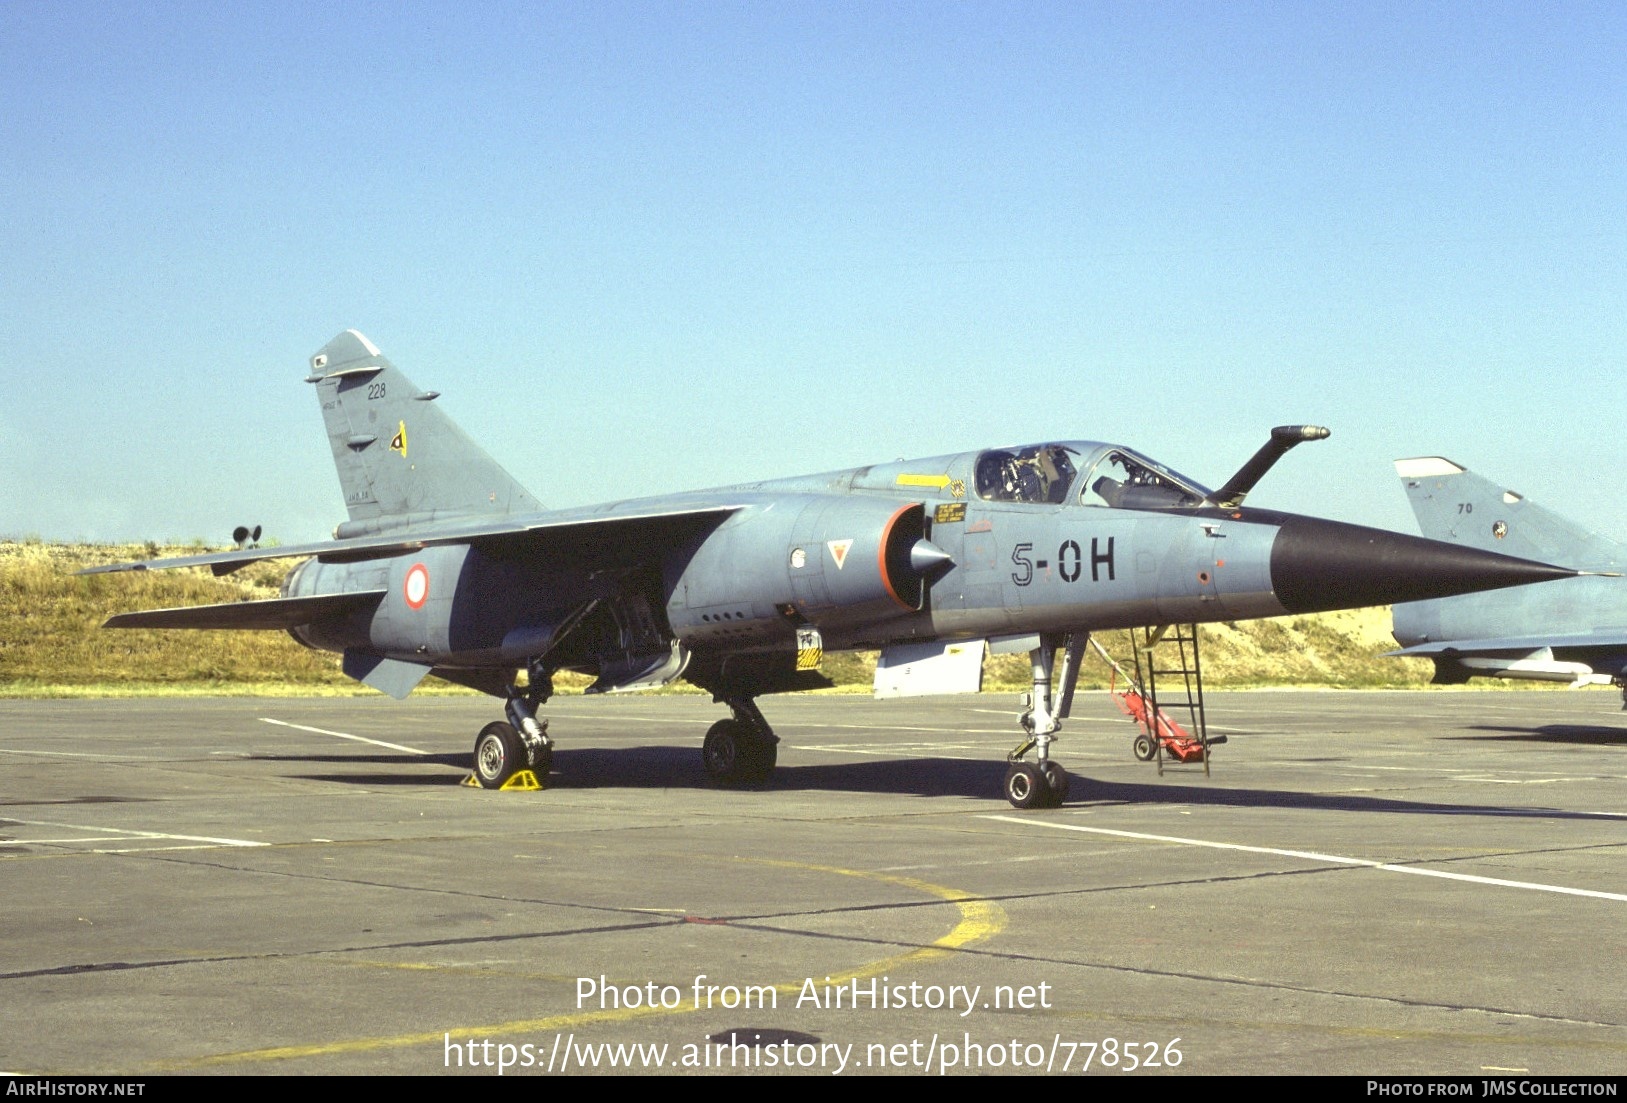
[(416, 587)]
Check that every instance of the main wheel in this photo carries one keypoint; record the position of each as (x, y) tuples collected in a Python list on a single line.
[(1056, 779), (733, 753), (1145, 749), (1026, 786), (499, 754)]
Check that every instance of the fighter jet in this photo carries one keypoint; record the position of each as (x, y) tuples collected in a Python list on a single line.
[(1572, 631), (447, 566)]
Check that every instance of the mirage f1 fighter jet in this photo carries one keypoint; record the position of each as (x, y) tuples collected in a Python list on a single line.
[(449, 567)]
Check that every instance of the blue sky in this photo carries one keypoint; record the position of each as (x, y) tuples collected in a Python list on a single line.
[(652, 247)]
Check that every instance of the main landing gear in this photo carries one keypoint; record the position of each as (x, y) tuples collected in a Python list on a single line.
[(1044, 783), (505, 749), (741, 750)]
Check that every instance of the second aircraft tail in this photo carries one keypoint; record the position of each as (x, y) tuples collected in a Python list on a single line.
[(1454, 504)]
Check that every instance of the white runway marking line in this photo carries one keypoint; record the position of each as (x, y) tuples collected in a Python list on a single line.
[(344, 735), (1310, 855), (122, 834)]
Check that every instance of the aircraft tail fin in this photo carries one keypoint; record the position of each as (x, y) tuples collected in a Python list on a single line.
[(1454, 504), (399, 456)]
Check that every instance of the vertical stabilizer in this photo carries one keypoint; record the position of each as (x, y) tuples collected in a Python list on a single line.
[(399, 456), (1456, 505)]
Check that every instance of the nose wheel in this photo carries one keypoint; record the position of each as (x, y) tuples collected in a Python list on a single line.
[(1033, 785)]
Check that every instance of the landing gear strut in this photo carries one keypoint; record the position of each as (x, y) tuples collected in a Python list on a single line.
[(503, 749), (1044, 783), (741, 750)]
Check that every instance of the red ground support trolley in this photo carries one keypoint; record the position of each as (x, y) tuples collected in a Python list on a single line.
[(1159, 734)]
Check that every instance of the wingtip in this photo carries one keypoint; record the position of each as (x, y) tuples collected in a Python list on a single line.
[(113, 568)]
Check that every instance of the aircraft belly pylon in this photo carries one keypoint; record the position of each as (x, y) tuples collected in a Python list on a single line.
[(448, 566)]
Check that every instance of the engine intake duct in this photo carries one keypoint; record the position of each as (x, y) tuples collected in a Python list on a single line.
[(908, 559)]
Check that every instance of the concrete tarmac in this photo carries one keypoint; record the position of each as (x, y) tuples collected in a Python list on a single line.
[(1367, 883)]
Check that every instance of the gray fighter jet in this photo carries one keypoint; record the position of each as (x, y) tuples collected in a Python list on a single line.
[(449, 567), (1572, 631)]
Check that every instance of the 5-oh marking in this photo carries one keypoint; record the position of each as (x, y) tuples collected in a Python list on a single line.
[(415, 588), (1070, 561)]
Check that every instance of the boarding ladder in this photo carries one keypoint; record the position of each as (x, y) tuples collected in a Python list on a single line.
[(1170, 653)]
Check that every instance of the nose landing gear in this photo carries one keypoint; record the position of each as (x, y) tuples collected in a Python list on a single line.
[(1044, 783)]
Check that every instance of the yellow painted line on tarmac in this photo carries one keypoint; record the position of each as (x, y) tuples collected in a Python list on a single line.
[(979, 919)]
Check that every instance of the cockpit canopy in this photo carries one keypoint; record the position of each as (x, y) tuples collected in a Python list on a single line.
[(1114, 477)]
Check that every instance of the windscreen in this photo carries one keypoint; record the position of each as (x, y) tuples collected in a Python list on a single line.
[(1122, 479)]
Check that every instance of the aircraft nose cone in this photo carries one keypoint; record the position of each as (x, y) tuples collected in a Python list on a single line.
[(1317, 565)]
